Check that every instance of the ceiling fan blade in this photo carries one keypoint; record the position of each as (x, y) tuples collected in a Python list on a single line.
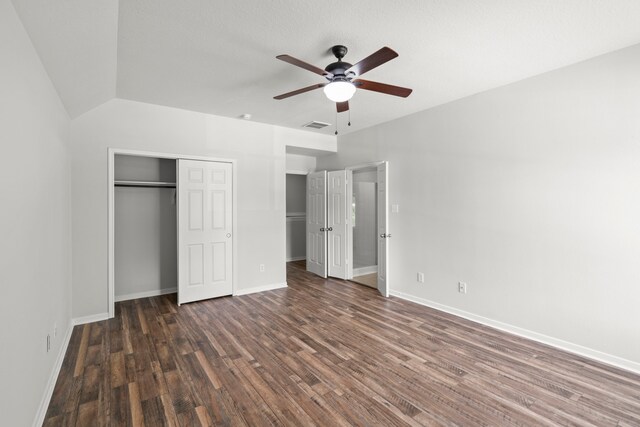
[(374, 60), (299, 91), (382, 88), (298, 63), (342, 106)]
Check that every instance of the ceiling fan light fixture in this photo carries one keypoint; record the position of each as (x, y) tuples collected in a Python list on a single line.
[(340, 90)]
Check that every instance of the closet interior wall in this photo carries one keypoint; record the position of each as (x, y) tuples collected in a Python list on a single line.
[(296, 217), (145, 228)]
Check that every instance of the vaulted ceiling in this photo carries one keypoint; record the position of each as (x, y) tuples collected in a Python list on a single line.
[(218, 56)]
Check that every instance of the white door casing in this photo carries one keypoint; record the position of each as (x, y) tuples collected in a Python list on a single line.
[(383, 227), (205, 225), (349, 207), (337, 256), (317, 223)]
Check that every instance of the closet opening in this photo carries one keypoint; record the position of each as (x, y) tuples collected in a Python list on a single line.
[(172, 222), (145, 231), (296, 215), (368, 225)]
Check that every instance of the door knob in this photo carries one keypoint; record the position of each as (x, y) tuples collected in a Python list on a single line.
[(330, 229), (383, 236), (322, 229), (228, 234)]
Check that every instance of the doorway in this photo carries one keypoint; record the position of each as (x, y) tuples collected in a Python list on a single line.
[(368, 238), (364, 228), (332, 221)]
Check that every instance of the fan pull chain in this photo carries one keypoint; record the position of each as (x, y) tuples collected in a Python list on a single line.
[(349, 124), (336, 122)]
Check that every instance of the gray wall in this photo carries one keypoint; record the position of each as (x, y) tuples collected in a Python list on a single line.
[(296, 193), (365, 248), (145, 228), (140, 168), (296, 247), (296, 238), (35, 225), (529, 193), (365, 240)]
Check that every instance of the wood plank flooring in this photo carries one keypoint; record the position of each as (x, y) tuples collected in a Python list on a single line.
[(370, 280), (327, 353)]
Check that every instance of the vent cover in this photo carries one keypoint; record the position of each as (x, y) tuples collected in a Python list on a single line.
[(316, 125)]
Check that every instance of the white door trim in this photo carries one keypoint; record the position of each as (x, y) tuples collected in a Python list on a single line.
[(111, 156), (383, 229), (366, 165)]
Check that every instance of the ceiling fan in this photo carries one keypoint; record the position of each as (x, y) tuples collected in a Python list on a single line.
[(343, 78)]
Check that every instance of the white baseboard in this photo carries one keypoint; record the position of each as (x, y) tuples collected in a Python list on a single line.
[(361, 271), (544, 339), (91, 318), (296, 258), (260, 289), (48, 392), (145, 294)]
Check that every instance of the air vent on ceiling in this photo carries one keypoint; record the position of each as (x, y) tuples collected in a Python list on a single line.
[(316, 125)]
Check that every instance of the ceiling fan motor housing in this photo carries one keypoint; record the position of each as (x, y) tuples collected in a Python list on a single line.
[(339, 69)]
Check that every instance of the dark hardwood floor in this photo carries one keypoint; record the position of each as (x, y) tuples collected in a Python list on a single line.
[(324, 352)]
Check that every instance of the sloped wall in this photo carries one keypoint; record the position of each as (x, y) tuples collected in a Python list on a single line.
[(35, 225)]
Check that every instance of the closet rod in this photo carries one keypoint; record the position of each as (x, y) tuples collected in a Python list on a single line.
[(150, 184)]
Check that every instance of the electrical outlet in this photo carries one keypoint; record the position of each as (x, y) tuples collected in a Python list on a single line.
[(462, 287), (48, 343), (420, 277), (261, 268)]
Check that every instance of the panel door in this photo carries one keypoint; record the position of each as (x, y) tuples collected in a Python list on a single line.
[(205, 243), (383, 230), (317, 223), (337, 224)]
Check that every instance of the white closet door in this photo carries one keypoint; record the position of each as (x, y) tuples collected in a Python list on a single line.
[(337, 224), (205, 261), (383, 227), (317, 223)]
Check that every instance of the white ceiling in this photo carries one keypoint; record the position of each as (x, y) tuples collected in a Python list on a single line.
[(218, 56)]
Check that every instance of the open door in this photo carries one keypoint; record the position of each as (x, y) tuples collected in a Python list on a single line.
[(337, 221), (205, 244), (317, 223), (383, 227)]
